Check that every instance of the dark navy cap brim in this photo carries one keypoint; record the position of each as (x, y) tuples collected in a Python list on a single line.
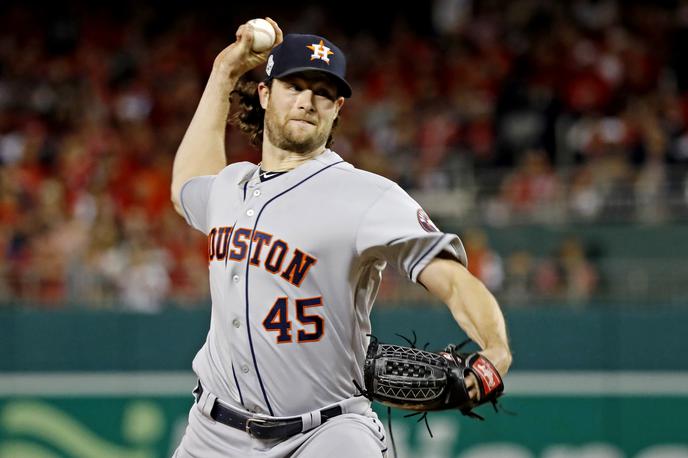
[(344, 87)]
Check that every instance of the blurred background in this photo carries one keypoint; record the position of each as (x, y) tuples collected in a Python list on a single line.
[(552, 136)]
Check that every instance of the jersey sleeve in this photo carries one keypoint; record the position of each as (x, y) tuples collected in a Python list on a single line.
[(194, 197), (397, 230)]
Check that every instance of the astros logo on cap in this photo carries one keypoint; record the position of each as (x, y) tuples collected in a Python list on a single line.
[(320, 51)]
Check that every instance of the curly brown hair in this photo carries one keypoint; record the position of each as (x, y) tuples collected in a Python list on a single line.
[(250, 115)]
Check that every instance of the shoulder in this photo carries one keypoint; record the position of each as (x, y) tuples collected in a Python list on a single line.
[(362, 179), (234, 174), (238, 170)]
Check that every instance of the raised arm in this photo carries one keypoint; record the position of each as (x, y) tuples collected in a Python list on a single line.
[(474, 308), (202, 150)]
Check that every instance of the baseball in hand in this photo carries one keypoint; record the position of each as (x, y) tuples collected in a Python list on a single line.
[(263, 35)]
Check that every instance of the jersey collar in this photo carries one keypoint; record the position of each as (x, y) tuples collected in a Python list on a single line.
[(327, 157)]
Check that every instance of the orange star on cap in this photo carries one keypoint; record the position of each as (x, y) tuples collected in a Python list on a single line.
[(320, 51)]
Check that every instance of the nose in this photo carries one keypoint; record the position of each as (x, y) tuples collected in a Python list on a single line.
[(305, 100)]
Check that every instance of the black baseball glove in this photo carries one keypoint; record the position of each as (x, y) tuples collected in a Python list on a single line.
[(414, 379)]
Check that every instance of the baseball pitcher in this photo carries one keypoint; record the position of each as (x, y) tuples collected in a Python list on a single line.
[(296, 249)]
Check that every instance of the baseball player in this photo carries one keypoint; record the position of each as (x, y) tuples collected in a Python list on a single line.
[(296, 249)]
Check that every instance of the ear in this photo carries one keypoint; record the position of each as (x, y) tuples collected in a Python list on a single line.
[(263, 95), (338, 104)]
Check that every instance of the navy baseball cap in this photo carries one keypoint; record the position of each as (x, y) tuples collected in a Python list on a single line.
[(300, 53)]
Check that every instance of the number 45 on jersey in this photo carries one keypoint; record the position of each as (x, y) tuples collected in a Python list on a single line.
[(277, 320)]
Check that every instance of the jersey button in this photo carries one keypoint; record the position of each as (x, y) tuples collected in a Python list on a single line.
[(250, 212), (244, 369), (235, 279), (256, 192), (236, 322)]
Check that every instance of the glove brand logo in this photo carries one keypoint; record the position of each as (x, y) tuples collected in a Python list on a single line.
[(425, 221), (320, 51), (487, 373), (271, 63)]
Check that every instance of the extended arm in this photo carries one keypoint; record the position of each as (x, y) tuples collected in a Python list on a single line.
[(202, 150), (474, 308)]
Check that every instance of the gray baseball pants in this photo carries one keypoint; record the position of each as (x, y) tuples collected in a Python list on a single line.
[(345, 436)]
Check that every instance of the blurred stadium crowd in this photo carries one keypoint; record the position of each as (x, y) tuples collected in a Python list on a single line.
[(534, 112)]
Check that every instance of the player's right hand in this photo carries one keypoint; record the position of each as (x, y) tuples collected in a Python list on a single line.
[(238, 58)]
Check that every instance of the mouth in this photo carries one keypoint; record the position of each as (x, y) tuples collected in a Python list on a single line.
[(303, 121)]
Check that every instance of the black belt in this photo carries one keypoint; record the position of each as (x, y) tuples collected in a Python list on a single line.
[(261, 428)]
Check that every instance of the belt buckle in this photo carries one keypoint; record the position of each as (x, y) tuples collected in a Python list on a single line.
[(248, 424)]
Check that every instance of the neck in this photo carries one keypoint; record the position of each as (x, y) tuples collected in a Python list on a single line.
[(278, 160)]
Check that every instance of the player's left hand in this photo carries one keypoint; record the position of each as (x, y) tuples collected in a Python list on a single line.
[(501, 360), (443, 380)]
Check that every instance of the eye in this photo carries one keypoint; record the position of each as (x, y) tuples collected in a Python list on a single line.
[(292, 86), (324, 93)]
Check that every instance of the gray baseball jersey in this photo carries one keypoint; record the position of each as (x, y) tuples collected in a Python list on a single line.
[(295, 263)]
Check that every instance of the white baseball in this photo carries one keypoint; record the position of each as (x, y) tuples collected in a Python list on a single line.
[(263, 35)]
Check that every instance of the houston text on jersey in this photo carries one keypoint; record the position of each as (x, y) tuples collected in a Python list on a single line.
[(226, 244)]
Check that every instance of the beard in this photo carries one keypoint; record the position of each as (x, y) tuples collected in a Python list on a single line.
[(287, 137)]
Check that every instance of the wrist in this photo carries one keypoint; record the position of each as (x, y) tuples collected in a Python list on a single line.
[(500, 357), (223, 80)]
